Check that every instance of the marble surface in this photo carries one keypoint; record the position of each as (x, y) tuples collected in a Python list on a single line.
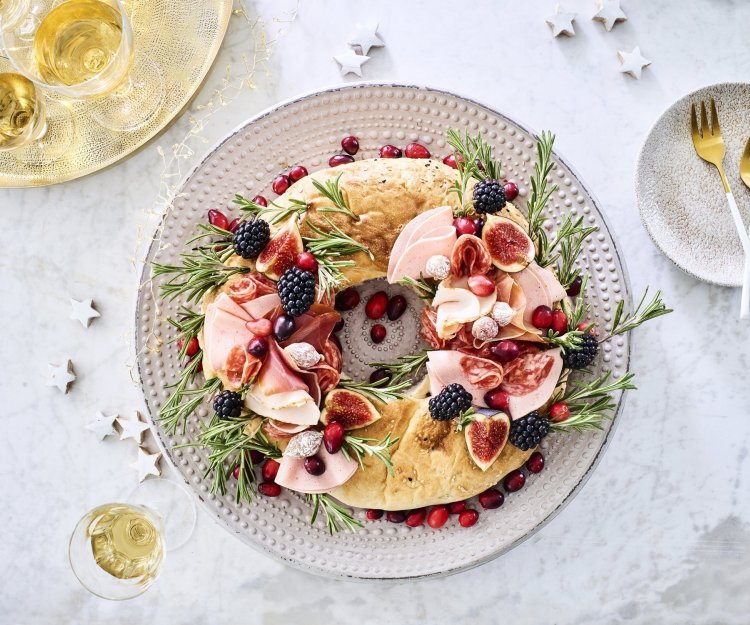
[(661, 533)]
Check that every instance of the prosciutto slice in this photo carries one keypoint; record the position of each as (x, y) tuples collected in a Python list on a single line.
[(292, 473), (314, 327), (477, 375), (530, 380), (241, 367), (249, 287)]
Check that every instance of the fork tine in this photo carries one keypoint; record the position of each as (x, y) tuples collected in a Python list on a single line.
[(705, 128), (715, 128), (694, 122), (746, 153)]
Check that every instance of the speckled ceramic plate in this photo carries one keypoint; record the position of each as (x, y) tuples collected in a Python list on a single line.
[(308, 130), (680, 196)]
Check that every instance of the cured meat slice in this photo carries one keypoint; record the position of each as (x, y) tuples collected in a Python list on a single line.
[(314, 327), (549, 280), (228, 305), (477, 375), (437, 241), (305, 413), (292, 473), (535, 292), (221, 332), (262, 306), (442, 215), (279, 429), (249, 287), (469, 256), (240, 367), (276, 376), (530, 380)]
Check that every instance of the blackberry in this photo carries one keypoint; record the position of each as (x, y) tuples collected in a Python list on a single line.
[(528, 431), (251, 237), (228, 404), (297, 291), (489, 196), (450, 402), (583, 356)]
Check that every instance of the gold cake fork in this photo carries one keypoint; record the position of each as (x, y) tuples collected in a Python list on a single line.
[(745, 175)]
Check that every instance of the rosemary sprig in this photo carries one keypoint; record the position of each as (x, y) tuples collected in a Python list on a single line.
[(474, 159), (188, 324), (360, 447), (540, 192), (332, 190), (201, 271), (571, 242), (381, 390), (273, 213), (184, 401), (577, 392), (337, 517), (465, 418), (581, 309), (568, 340), (405, 366), (655, 308), (209, 230), (426, 290)]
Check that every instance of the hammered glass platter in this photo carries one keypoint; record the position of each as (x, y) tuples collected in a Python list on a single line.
[(183, 38), (308, 130)]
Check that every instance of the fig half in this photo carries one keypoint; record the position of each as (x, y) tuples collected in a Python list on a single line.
[(510, 247), (348, 408), (485, 438), (281, 251)]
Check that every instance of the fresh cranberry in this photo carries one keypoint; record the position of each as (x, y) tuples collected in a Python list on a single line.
[(396, 307), (192, 347), (218, 219), (504, 351), (260, 200), (380, 374), (339, 325), (306, 261), (478, 226), (280, 184), (575, 286), (514, 481), (373, 514), (468, 518), (270, 469), (542, 317), (333, 437), (450, 160), (298, 172), (416, 150), (395, 516), (314, 465), (284, 327), (464, 225), (390, 151), (559, 412), (535, 463), (269, 489), (491, 499), (234, 224), (347, 299), (350, 144), (437, 517), (559, 322), (457, 507), (256, 457), (376, 305), (415, 518), (257, 346), (340, 159), (378, 333), (511, 191), (236, 472), (481, 285), (497, 399)]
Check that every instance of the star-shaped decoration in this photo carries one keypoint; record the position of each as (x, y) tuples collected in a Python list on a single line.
[(633, 62), (561, 23), (609, 13), (83, 311), (351, 62), (61, 376), (103, 425), (146, 464), (133, 427), (366, 37)]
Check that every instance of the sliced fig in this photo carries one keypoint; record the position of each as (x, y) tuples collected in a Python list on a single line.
[(281, 251), (509, 246), (485, 438), (349, 408)]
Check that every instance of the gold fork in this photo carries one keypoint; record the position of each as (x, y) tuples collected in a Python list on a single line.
[(709, 144), (745, 175)]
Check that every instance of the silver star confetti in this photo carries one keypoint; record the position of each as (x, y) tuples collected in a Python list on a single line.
[(103, 425), (61, 376), (609, 13), (146, 464), (351, 62), (132, 428), (561, 23), (366, 37), (83, 311), (633, 62)]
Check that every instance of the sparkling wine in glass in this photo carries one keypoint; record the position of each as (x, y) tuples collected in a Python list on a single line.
[(13, 12)]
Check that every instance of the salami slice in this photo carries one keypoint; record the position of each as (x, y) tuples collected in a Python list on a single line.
[(469, 256), (530, 380)]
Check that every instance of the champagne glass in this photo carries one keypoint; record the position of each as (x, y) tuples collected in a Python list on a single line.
[(13, 12), (83, 50)]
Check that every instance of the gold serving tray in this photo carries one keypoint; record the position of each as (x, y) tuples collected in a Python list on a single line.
[(183, 37)]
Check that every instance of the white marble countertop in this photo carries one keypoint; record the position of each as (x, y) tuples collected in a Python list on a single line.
[(661, 533)]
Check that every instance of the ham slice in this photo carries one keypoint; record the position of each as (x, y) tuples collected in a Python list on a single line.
[(221, 332), (278, 429), (535, 292), (531, 379), (550, 282), (477, 375), (262, 306), (292, 474)]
